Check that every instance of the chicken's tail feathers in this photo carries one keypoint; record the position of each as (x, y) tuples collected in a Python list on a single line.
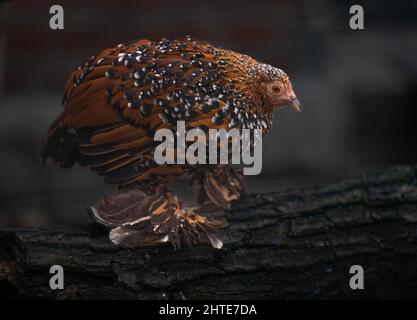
[(60, 144)]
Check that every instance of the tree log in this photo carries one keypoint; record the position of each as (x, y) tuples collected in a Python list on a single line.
[(293, 244)]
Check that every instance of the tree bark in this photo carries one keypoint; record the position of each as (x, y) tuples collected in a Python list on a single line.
[(294, 244)]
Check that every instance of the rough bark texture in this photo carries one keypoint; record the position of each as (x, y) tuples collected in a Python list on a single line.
[(295, 244)]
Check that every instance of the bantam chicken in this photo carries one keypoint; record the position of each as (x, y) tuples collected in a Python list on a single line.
[(114, 103)]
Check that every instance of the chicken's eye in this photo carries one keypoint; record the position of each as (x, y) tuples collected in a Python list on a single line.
[(276, 89)]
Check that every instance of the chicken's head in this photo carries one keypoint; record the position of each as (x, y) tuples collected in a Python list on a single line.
[(276, 90)]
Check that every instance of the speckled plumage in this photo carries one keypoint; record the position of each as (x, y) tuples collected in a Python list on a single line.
[(115, 101)]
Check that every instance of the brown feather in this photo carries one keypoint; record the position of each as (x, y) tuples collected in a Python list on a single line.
[(115, 101)]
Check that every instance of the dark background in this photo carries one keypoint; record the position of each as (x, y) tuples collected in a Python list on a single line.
[(357, 87)]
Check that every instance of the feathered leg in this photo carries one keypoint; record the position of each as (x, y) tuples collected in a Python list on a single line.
[(140, 217), (219, 185)]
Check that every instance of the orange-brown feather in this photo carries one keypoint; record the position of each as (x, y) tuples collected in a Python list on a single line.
[(116, 100)]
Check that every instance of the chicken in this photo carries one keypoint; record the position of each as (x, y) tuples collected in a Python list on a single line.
[(116, 101)]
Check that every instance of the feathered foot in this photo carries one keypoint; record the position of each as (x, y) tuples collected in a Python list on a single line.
[(219, 185), (140, 219)]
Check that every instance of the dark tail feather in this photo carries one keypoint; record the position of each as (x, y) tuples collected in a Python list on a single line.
[(61, 145)]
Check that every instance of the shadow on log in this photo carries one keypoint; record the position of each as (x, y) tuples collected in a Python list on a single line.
[(294, 244)]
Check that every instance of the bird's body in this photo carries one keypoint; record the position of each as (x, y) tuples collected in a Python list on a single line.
[(117, 100)]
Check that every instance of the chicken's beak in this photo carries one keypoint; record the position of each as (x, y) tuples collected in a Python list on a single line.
[(296, 105)]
